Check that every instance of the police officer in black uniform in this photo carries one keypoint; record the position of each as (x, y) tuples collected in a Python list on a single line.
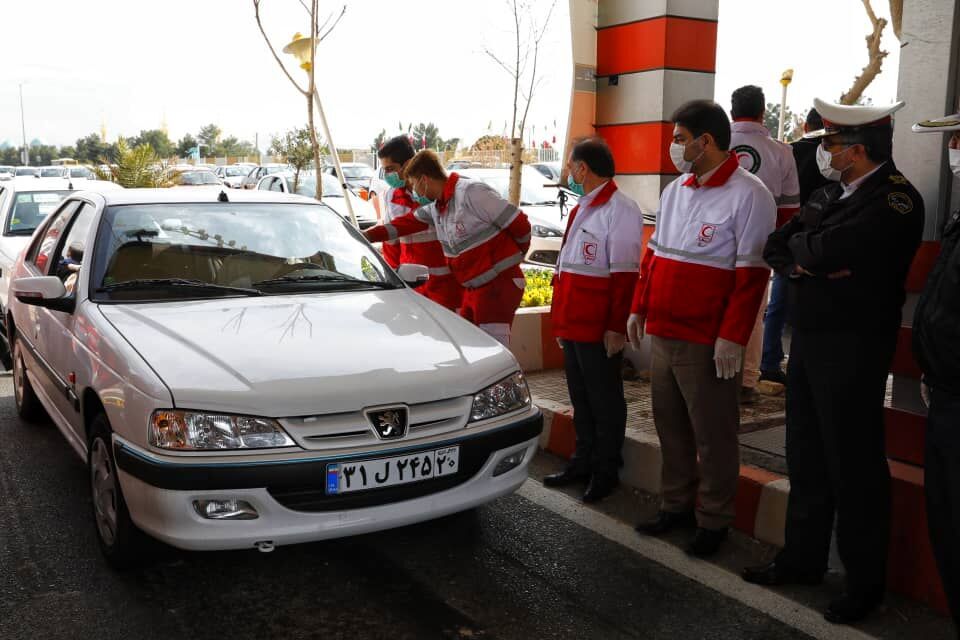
[(847, 254), (936, 344)]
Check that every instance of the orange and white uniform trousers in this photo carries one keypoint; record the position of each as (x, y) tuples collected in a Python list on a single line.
[(483, 239)]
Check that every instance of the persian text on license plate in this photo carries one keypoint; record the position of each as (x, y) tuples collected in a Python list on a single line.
[(344, 477)]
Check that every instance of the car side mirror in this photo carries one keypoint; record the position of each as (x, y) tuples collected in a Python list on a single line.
[(44, 291), (413, 275)]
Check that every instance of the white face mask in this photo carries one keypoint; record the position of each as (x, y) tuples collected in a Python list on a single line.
[(954, 156), (677, 152), (824, 160)]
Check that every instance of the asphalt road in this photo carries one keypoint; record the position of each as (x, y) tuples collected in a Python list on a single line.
[(511, 569)]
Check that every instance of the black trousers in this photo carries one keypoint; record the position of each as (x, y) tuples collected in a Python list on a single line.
[(595, 384), (836, 457), (942, 483)]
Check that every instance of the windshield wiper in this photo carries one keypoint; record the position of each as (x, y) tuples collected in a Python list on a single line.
[(548, 202), (20, 232), (149, 283), (326, 278)]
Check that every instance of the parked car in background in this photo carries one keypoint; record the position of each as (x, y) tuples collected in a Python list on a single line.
[(356, 174), (197, 178), (7, 172), (332, 194), (457, 165), (27, 171), (258, 172), (232, 175), (151, 364), (549, 170), (81, 172), (545, 207), (55, 172)]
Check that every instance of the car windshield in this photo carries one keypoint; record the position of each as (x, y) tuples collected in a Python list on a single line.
[(26, 171), (532, 190), (193, 178), (307, 186), (30, 209), (80, 172), (51, 172), (232, 172), (357, 172), (170, 251), (271, 170)]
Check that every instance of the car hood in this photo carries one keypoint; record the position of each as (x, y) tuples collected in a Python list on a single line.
[(361, 208), (297, 355)]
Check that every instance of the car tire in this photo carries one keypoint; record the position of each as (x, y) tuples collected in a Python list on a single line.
[(28, 405), (119, 538)]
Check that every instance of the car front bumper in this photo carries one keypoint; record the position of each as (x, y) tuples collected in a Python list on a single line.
[(289, 495)]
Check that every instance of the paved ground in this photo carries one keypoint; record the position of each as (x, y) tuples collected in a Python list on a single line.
[(533, 565)]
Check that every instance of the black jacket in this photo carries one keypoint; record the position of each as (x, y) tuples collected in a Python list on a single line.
[(808, 173), (874, 234), (936, 321)]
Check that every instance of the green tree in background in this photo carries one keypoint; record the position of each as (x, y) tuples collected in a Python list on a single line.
[(137, 167), (186, 145), (296, 149), (771, 120), (158, 141)]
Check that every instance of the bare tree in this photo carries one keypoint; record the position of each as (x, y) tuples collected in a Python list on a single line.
[(522, 69), (876, 55), (328, 25)]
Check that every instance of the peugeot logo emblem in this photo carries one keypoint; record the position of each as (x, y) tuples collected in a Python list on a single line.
[(389, 424)]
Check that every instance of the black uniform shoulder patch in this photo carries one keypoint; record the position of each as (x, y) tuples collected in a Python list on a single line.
[(900, 201), (896, 178)]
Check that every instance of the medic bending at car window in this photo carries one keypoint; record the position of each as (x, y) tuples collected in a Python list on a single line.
[(484, 239), (417, 248)]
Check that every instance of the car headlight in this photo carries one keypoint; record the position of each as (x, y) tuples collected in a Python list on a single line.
[(503, 397), (541, 231), (196, 431)]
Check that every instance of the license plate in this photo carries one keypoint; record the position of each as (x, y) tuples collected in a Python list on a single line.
[(346, 477)]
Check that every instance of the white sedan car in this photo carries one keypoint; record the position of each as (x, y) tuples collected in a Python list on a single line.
[(240, 369), (332, 194)]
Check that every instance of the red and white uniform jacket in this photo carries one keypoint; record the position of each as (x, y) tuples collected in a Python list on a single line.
[(417, 248), (703, 274), (481, 234), (394, 206), (597, 269), (770, 160)]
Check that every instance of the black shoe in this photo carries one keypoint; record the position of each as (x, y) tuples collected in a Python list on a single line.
[(776, 375), (851, 608), (668, 521), (775, 573), (706, 542), (566, 477), (601, 485), (748, 395)]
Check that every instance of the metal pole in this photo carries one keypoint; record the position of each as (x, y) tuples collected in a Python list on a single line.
[(23, 130), (783, 113), (336, 157)]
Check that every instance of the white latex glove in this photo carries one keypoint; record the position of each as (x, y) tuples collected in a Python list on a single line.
[(560, 342), (635, 328), (613, 342), (728, 356), (925, 394)]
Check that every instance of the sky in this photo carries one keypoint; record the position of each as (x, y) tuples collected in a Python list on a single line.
[(136, 65)]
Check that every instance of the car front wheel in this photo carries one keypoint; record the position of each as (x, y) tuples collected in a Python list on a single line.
[(120, 540), (28, 405)]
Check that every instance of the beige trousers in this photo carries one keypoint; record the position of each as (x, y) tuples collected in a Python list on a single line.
[(697, 417), (754, 352)]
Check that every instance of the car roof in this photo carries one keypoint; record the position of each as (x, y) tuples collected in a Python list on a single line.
[(199, 195)]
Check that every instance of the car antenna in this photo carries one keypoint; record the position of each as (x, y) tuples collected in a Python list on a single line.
[(223, 197), (70, 186)]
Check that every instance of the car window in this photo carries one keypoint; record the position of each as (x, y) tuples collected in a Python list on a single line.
[(357, 172), (231, 172), (308, 247), (45, 245), (80, 172), (308, 185), (71, 249), (276, 184), (194, 178), (264, 185), (30, 209)]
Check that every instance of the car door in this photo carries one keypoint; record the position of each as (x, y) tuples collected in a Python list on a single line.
[(61, 349), (32, 322)]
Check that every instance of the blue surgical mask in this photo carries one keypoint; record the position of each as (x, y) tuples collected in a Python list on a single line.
[(393, 179), (422, 200), (576, 187)]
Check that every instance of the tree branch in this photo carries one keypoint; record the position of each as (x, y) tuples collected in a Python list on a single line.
[(256, 13), (333, 26), (876, 57), (498, 61)]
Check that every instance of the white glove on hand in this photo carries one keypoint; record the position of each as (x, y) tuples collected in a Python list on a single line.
[(635, 328), (560, 342), (728, 357), (925, 394), (613, 342)]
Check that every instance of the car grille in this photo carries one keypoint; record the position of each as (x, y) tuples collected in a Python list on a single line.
[(352, 430)]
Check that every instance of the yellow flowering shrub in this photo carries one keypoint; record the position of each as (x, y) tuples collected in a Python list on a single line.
[(539, 291)]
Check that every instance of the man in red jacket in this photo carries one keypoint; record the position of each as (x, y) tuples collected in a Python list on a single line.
[(596, 275), (483, 237), (699, 291), (418, 248)]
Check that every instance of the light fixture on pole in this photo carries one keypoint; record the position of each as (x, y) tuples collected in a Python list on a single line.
[(300, 48), (785, 80)]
